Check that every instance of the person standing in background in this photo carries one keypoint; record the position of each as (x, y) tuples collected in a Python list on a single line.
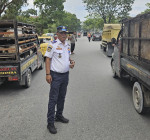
[(89, 37), (73, 39)]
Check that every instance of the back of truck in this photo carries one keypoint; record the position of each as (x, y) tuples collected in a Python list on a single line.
[(9, 60), (110, 31), (133, 58), (20, 52), (136, 48)]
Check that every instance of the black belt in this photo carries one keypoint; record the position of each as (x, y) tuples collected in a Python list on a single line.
[(58, 72)]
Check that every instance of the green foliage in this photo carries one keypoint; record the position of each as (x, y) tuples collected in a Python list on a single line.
[(50, 14), (71, 21), (29, 12), (93, 24), (147, 10), (107, 9), (11, 8), (50, 9)]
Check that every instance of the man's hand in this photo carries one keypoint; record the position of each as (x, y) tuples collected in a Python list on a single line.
[(49, 79), (72, 63)]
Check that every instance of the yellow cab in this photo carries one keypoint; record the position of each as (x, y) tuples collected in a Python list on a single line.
[(44, 40)]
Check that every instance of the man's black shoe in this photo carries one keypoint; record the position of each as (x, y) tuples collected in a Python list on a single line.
[(51, 127), (61, 119)]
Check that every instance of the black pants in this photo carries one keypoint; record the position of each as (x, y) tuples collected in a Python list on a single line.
[(89, 38), (72, 47), (57, 95)]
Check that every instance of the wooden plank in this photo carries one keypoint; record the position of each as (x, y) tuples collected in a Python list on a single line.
[(7, 55), (22, 50), (25, 41), (2, 33), (7, 49)]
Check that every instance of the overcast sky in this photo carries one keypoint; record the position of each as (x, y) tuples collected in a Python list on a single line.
[(78, 8)]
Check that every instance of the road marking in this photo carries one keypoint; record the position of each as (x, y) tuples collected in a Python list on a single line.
[(103, 54)]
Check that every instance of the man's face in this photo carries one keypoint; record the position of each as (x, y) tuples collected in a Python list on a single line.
[(62, 36)]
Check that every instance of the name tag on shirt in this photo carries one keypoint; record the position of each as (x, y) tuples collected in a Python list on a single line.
[(58, 48)]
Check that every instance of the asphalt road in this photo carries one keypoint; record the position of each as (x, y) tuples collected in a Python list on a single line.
[(99, 107)]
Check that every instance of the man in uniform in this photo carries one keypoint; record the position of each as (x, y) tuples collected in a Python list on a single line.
[(57, 63)]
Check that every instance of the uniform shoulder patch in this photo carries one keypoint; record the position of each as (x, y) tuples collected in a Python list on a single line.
[(49, 48)]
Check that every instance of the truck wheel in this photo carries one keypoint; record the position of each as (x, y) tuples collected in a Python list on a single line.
[(28, 78), (104, 49), (138, 98), (113, 69)]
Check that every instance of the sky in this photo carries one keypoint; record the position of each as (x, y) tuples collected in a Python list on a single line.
[(78, 8)]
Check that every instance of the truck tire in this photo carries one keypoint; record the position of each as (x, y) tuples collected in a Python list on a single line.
[(28, 78), (138, 98), (113, 69), (104, 49)]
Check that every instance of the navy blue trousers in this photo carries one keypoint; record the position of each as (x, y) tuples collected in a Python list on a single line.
[(57, 95)]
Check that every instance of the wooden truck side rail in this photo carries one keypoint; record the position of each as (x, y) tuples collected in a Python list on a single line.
[(136, 40)]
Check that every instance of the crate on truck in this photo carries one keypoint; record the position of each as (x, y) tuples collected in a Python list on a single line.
[(132, 57), (20, 53), (110, 32)]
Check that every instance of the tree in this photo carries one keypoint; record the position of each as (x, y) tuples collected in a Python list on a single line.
[(93, 24), (29, 12), (50, 11), (11, 5), (147, 10), (107, 9), (71, 21)]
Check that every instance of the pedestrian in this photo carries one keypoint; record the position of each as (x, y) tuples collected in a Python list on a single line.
[(89, 37), (73, 39), (57, 63)]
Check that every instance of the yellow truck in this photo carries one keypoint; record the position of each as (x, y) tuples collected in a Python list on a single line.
[(110, 31), (44, 40)]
